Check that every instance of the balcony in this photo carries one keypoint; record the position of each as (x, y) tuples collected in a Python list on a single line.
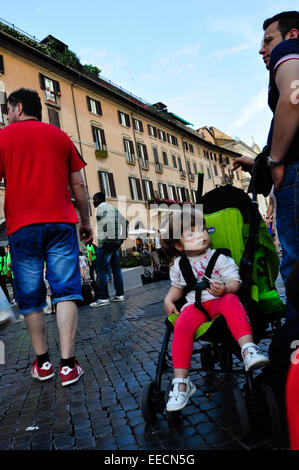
[(158, 167), (183, 174), (101, 152), (191, 176)]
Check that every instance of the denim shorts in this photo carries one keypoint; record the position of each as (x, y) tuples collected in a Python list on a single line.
[(57, 245)]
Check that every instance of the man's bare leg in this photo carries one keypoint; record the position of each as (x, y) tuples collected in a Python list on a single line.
[(67, 320), (36, 329)]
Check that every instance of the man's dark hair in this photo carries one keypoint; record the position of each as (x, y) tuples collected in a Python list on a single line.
[(287, 20), (100, 197), (30, 100)]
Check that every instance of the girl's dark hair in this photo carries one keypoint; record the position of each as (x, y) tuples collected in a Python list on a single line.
[(287, 20), (177, 223), (30, 100)]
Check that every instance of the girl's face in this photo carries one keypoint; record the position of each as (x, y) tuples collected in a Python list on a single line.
[(195, 240)]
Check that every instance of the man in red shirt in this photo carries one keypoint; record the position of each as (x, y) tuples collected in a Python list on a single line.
[(39, 164)]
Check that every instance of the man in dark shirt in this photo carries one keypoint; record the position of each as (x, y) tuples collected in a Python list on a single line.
[(280, 51)]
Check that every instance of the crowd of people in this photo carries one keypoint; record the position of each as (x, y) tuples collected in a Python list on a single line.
[(43, 229)]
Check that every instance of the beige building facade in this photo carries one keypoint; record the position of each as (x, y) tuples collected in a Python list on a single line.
[(133, 150)]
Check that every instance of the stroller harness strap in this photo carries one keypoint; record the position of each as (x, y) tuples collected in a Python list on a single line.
[(191, 281)]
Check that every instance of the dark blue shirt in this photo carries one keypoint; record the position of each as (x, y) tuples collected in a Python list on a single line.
[(283, 50)]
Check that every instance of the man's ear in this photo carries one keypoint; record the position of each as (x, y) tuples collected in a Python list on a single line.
[(294, 33), (178, 246)]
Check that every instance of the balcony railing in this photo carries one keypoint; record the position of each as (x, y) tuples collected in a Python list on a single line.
[(191, 176), (182, 174)]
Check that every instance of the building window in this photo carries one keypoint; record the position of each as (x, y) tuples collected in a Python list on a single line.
[(53, 117), (193, 194), (51, 88), (152, 130), (237, 174), (172, 192), (215, 170), (165, 158), (191, 148), (142, 155), (1, 115), (162, 135), (148, 189), (227, 160), (213, 157), (209, 173), (1, 64), (138, 126), (174, 161), (107, 185), (172, 140), (183, 194), (94, 106), (135, 189), (129, 149), (124, 119), (180, 163), (162, 191), (206, 154), (195, 168), (185, 146), (99, 138)]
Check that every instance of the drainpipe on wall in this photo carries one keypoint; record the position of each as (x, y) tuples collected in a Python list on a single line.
[(80, 144)]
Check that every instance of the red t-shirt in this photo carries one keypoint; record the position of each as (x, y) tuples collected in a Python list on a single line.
[(36, 160)]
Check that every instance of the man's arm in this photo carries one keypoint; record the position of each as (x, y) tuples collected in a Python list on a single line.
[(286, 119), (79, 193)]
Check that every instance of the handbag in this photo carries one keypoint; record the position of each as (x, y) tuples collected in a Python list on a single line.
[(146, 277), (6, 313), (261, 179)]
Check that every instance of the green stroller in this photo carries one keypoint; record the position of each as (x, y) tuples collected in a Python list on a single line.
[(234, 223)]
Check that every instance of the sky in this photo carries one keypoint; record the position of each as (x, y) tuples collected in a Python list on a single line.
[(199, 57)]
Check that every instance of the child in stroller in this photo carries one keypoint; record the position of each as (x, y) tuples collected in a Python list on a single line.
[(218, 298)]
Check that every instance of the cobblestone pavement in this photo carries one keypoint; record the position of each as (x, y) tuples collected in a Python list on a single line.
[(118, 345)]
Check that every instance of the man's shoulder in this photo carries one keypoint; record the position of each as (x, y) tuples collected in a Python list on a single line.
[(284, 48)]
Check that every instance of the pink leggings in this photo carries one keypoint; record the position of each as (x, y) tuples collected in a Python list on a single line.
[(191, 318)]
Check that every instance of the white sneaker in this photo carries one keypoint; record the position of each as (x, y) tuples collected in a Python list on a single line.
[(253, 359), (178, 400), (100, 303), (118, 298)]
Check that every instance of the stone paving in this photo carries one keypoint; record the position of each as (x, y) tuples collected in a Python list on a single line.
[(118, 346)]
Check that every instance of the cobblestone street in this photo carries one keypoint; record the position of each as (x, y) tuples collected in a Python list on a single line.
[(118, 346)]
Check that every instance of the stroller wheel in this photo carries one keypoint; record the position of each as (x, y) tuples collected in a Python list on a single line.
[(152, 402), (207, 357), (272, 408), (225, 358), (241, 409)]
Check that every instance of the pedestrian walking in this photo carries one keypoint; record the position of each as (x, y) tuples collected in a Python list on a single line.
[(112, 231), (39, 164), (3, 272), (280, 51), (91, 250)]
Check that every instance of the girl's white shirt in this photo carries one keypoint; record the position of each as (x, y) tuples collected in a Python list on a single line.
[(225, 270)]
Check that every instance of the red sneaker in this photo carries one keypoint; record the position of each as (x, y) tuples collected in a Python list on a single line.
[(69, 376), (42, 373)]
